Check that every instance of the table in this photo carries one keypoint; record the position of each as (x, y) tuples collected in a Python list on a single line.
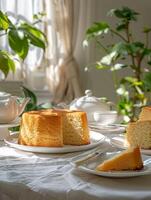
[(29, 176)]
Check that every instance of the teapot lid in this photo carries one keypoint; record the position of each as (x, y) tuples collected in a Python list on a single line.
[(89, 97), (4, 95)]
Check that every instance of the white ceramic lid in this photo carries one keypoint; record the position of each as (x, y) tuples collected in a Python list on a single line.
[(88, 98)]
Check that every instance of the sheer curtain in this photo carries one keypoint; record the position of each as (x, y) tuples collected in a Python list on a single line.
[(63, 71)]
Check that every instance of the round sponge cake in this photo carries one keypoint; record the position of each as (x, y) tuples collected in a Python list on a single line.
[(54, 128)]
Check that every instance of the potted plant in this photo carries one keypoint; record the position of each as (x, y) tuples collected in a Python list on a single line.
[(20, 36), (126, 52)]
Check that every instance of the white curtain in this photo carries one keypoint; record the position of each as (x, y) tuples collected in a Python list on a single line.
[(86, 14), (63, 71)]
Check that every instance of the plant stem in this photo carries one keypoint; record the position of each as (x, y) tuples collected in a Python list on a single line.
[(136, 66), (101, 45), (133, 66), (147, 40), (115, 80), (128, 33), (36, 22), (118, 34)]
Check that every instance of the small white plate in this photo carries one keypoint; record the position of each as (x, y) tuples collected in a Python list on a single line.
[(11, 124), (95, 138), (107, 129), (90, 165), (119, 141)]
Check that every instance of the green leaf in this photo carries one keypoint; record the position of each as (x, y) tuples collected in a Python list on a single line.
[(39, 15), (146, 52), (138, 44), (121, 26), (149, 62), (14, 129), (6, 63), (135, 48), (11, 64), (32, 104), (125, 106), (97, 29), (147, 81), (44, 106), (18, 42), (124, 13), (35, 36), (139, 91), (29, 93), (128, 79), (100, 66), (131, 80), (120, 48), (4, 22), (147, 29), (30, 107)]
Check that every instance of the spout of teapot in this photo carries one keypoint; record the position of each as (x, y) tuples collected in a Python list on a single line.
[(22, 105)]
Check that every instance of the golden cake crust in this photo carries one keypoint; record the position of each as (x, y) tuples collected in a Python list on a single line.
[(41, 129), (129, 159)]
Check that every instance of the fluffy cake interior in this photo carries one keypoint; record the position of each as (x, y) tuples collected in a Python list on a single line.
[(145, 114), (139, 133), (75, 129)]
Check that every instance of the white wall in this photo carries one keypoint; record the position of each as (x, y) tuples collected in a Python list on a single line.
[(101, 81)]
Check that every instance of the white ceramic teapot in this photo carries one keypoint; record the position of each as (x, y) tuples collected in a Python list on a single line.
[(90, 104), (10, 108)]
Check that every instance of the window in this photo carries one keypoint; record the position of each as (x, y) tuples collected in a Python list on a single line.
[(31, 70), (58, 67)]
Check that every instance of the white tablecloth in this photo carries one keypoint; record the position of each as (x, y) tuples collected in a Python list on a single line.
[(29, 176)]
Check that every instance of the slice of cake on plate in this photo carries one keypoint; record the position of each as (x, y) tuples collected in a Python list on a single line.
[(145, 114), (129, 159), (139, 133)]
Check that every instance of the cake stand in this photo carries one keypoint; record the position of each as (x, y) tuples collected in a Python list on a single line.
[(4, 132)]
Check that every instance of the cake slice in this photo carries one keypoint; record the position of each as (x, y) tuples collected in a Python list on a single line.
[(129, 159), (74, 126), (139, 133), (145, 113)]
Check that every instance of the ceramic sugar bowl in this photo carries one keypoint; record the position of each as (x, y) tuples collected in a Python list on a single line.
[(10, 108), (90, 104)]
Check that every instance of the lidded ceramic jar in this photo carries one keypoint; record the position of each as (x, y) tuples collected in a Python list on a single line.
[(90, 104)]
